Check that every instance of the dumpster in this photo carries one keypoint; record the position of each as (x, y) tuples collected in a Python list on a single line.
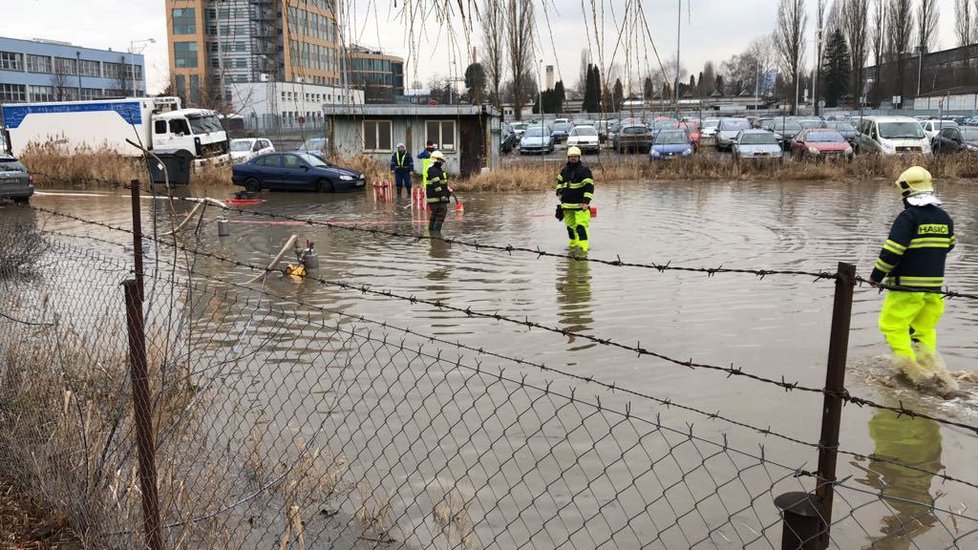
[(179, 164)]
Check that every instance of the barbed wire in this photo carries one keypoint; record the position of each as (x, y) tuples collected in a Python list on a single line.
[(588, 380), (760, 273), (526, 322)]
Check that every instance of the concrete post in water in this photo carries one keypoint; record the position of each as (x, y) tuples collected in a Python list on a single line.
[(807, 518), (142, 404)]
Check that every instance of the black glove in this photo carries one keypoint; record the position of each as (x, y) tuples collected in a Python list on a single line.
[(559, 214)]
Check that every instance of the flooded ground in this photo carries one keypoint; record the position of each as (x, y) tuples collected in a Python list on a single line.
[(776, 327)]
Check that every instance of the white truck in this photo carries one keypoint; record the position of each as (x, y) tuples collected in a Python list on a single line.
[(156, 123)]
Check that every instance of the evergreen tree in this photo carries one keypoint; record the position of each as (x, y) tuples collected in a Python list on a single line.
[(618, 96), (648, 89), (718, 87), (475, 82), (692, 86), (699, 88), (836, 69), (592, 90)]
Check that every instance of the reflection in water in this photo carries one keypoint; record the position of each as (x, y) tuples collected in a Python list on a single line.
[(574, 300), (915, 442), (439, 250)]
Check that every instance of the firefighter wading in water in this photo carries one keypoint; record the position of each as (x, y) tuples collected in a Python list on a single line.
[(913, 259), (575, 188), (437, 192)]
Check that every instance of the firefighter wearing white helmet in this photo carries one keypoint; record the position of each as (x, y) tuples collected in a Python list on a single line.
[(575, 189), (912, 263), (437, 191)]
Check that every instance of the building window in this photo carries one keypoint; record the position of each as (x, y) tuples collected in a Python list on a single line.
[(442, 132), (89, 68), (185, 21), (114, 71), (195, 89), (13, 92), (377, 135), (241, 63), (39, 64), (88, 94), (65, 65), (180, 85), (42, 93), (11, 61), (185, 55)]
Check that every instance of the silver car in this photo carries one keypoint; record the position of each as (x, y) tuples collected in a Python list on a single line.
[(536, 140), (16, 183), (727, 131), (756, 145)]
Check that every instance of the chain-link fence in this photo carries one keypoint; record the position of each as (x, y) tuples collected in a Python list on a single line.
[(283, 424)]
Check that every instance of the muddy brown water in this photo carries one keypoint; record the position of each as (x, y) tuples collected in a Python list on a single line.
[(776, 326)]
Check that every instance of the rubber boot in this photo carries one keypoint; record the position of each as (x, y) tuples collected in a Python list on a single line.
[(939, 377)]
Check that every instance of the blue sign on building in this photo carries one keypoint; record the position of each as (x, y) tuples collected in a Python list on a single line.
[(47, 70)]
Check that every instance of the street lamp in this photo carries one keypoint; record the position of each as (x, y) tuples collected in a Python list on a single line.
[(78, 70), (132, 58)]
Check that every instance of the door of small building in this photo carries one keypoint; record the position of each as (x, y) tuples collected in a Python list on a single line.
[(471, 157)]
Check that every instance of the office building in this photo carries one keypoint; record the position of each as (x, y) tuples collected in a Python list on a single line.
[(215, 45), (378, 75), (48, 70)]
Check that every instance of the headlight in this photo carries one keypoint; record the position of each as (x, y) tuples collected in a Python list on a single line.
[(970, 147), (347, 178), (848, 151), (886, 147), (813, 150), (654, 153), (688, 151)]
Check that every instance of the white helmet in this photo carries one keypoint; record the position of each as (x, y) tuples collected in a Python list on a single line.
[(573, 151), (438, 155)]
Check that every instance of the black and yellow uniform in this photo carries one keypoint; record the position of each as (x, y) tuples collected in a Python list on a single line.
[(575, 187), (913, 257), (438, 195)]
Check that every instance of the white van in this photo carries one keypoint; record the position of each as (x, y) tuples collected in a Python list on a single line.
[(891, 135)]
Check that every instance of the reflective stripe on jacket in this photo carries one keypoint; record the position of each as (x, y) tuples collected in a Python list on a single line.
[(437, 187), (575, 185)]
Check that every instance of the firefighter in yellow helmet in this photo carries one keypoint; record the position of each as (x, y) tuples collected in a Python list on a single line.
[(912, 260), (437, 191), (575, 188)]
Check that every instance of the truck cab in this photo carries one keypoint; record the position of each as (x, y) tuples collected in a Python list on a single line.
[(196, 130)]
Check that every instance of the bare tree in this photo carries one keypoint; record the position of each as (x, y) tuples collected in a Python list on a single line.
[(60, 82), (899, 37), (762, 50), (963, 23), (493, 31), (819, 28), (519, 42), (927, 17), (854, 20), (879, 32), (582, 76), (789, 40)]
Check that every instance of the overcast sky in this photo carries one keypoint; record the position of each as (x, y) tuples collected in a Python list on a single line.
[(711, 30)]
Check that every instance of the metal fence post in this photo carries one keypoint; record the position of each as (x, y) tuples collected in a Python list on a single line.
[(137, 238), (142, 411), (807, 518)]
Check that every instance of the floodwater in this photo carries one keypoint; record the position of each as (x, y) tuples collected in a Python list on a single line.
[(775, 327)]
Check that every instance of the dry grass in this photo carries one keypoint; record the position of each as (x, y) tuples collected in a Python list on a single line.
[(536, 176), (87, 168)]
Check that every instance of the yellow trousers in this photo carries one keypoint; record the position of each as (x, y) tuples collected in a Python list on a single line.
[(577, 222), (905, 310)]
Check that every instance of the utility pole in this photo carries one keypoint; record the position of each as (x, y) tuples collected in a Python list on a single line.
[(78, 70), (679, 22), (818, 58)]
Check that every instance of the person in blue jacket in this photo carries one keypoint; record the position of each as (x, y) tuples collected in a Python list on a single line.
[(402, 165)]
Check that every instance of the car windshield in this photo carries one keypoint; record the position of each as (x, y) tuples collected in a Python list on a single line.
[(842, 126), (787, 128), (534, 132), (660, 124), (11, 165), (969, 133), (711, 123), (734, 124), (810, 123), (671, 138), (312, 160), (901, 130), (240, 145), (202, 124), (758, 138), (313, 144), (584, 131), (562, 127), (824, 137), (634, 130)]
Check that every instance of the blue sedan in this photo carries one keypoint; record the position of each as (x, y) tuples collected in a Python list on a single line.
[(671, 144), (281, 171)]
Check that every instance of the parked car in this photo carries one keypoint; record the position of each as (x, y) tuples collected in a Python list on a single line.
[(709, 128), (693, 128), (671, 144), (820, 143), (16, 182), (890, 135), (559, 131), (663, 124), (585, 138), (315, 145), (635, 137), (518, 128), (934, 126), (508, 140), (286, 171), (561, 121), (727, 131), (536, 139), (784, 131), (847, 130), (245, 149), (971, 121), (810, 122), (956, 139), (755, 144)]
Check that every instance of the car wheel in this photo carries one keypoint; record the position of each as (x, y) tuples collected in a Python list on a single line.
[(326, 186), (252, 185)]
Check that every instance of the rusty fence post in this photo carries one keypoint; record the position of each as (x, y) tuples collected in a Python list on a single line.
[(137, 237), (807, 518)]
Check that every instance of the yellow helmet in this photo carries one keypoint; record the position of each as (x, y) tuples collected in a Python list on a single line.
[(573, 152), (914, 180), (438, 155)]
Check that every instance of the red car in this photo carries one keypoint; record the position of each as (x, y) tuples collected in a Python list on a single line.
[(820, 143), (694, 132)]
